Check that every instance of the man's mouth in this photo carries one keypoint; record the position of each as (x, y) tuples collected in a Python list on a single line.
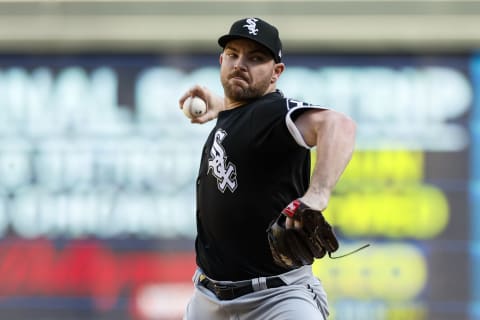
[(238, 77)]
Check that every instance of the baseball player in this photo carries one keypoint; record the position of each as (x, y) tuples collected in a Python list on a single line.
[(255, 167)]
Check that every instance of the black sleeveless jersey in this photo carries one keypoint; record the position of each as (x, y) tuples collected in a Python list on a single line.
[(251, 168)]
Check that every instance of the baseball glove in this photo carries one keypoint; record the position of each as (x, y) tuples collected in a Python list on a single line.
[(297, 247)]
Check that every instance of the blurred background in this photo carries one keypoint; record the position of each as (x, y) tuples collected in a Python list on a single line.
[(97, 163)]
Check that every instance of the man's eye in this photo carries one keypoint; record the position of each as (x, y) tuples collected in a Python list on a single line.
[(258, 58)]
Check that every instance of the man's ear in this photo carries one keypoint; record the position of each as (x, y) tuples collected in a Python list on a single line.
[(220, 59), (277, 71)]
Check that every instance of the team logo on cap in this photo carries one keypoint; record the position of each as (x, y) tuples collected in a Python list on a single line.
[(251, 26)]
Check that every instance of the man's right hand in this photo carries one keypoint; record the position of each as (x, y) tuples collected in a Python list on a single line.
[(215, 103)]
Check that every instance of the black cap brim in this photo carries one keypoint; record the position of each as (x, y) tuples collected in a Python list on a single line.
[(223, 40)]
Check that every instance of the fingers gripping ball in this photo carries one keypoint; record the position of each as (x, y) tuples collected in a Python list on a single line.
[(194, 107), (297, 247)]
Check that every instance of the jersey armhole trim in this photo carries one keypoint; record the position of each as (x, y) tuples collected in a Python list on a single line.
[(292, 128)]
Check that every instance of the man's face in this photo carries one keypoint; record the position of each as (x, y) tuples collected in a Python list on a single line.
[(247, 70)]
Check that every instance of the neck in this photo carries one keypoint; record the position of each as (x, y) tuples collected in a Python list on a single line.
[(230, 104)]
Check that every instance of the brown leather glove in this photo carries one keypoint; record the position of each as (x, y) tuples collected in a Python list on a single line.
[(297, 247)]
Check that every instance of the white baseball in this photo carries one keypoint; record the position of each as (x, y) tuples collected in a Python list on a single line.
[(194, 107)]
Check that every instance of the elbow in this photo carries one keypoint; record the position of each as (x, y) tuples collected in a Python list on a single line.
[(327, 123), (342, 121), (349, 125), (342, 129)]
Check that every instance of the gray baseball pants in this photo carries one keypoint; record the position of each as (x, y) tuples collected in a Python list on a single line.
[(303, 297)]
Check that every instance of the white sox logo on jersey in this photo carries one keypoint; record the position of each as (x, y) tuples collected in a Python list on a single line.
[(226, 174), (251, 26)]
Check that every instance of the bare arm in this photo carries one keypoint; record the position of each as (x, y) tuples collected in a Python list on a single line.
[(215, 103), (333, 134)]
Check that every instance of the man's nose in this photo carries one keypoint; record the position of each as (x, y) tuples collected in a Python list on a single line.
[(240, 65)]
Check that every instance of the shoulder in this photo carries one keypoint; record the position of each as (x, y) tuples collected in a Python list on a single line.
[(271, 105), (276, 100), (296, 109), (294, 104)]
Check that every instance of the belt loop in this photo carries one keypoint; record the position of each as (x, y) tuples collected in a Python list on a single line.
[(259, 284)]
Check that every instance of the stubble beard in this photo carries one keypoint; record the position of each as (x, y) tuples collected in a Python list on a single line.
[(236, 92)]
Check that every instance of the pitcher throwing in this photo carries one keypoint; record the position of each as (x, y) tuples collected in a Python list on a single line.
[(255, 190)]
